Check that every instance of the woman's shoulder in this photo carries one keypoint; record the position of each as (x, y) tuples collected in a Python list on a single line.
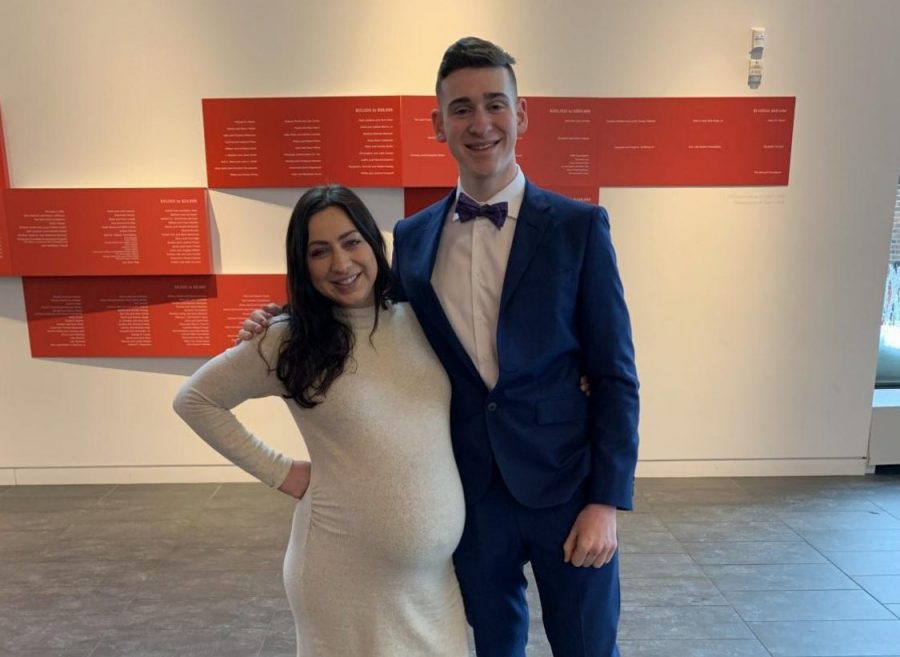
[(402, 313), (403, 319), (268, 342), (280, 323)]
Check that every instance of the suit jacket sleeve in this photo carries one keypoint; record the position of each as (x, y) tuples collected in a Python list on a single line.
[(605, 331)]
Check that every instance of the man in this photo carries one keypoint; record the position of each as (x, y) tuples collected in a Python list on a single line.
[(518, 292)]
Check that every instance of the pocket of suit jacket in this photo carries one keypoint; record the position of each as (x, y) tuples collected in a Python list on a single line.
[(572, 408)]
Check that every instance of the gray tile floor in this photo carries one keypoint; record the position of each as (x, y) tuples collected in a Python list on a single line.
[(794, 567)]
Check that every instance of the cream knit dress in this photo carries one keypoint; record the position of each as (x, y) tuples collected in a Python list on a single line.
[(368, 569)]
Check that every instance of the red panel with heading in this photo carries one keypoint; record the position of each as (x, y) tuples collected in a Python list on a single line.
[(694, 141), (559, 148), (142, 315), (301, 142), (570, 142), (108, 232)]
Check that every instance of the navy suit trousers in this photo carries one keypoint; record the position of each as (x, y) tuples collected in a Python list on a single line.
[(580, 605)]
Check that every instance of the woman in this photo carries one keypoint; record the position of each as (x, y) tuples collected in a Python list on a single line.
[(368, 568)]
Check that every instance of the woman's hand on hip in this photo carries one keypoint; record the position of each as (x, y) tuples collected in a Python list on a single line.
[(297, 481)]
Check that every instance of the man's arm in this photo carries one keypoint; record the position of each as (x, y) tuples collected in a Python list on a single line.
[(605, 330)]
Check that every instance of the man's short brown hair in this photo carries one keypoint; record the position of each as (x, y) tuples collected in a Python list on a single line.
[(472, 52)]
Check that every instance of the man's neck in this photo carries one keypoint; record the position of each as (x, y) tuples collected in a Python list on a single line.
[(483, 189)]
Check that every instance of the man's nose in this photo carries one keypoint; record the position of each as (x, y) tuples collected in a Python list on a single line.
[(480, 122)]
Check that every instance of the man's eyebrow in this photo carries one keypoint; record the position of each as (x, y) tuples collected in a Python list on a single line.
[(462, 100), (489, 96), (340, 237)]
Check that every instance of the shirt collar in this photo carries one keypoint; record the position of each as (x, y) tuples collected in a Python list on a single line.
[(513, 194)]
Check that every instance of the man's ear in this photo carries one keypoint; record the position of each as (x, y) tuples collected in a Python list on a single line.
[(521, 116), (437, 122)]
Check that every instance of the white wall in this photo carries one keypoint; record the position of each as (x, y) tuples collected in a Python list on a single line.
[(756, 311)]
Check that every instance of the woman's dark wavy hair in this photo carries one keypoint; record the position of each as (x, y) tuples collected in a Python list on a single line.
[(319, 344)]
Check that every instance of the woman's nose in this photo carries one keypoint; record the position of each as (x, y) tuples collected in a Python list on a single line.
[(340, 262)]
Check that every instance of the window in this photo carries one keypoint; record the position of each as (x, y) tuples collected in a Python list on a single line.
[(888, 372)]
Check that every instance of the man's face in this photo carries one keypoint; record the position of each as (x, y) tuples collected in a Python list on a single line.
[(479, 119)]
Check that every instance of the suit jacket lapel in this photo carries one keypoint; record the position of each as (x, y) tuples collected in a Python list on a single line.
[(420, 263), (533, 219), (420, 291)]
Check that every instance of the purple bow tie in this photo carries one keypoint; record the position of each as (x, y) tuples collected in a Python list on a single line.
[(467, 209)]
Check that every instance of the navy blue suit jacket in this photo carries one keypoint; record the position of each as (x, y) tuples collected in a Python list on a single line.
[(562, 314)]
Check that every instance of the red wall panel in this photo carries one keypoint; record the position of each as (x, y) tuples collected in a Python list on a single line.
[(107, 232), (142, 315)]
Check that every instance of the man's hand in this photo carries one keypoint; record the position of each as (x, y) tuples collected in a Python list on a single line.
[(257, 322), (592, 540), (585, 386), (297, 480)]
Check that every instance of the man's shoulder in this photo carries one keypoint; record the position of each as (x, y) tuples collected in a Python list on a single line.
[(564, 208), (422, 217)]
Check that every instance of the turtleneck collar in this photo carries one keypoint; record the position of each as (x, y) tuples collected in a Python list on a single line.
[(356, 318)]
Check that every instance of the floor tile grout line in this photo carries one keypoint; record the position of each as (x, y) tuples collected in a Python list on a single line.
[(888, 511), (268, 619), (725, 597), (737, 613), (96, 645), (268, 632), (869, 593), (861, 587), (817, 551), (212, 495), (718, 590)]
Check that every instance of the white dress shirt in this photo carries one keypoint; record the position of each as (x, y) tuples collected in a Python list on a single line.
[(468, 276)]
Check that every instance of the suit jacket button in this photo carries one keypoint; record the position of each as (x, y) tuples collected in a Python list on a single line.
[(492, 407)]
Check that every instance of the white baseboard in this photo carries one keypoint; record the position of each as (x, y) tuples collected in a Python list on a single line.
[(146, 474), (753, 468), (177, 474)]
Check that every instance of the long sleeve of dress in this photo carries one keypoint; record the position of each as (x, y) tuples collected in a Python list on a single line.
[(205, 401)]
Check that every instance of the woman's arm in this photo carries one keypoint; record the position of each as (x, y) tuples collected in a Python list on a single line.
[(205, 401)]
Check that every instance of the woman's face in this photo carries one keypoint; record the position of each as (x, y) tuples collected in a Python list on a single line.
[(341, 263)]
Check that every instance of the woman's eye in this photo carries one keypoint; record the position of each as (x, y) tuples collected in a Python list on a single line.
[(317, 253)]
